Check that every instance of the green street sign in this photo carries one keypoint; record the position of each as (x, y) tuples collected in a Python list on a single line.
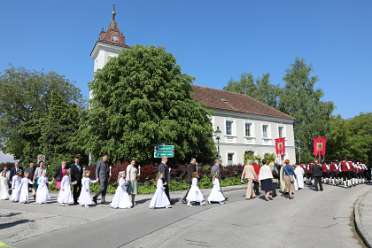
[(164, 151)]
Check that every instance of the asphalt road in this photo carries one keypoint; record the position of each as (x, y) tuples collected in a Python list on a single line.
[(312, 219)]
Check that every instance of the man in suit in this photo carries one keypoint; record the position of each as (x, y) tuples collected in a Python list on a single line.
[(14, 171), (165, 171), (103, 173), (191, 168), (76, 173), (317, 175)]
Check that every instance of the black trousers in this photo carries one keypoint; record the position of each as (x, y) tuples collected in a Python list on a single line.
[(102, 189), (76, 189), (256, 187), (318, 181), (166, 190)]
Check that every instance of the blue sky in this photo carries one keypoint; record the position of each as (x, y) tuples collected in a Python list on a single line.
[(213, 41)]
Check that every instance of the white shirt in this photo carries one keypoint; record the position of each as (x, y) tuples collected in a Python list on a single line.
[(265, 173)]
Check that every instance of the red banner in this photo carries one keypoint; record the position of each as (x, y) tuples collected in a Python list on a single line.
[(319, 144), (280, 146)]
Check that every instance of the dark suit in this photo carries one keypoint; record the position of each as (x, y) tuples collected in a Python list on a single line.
[(317, 175), (76, 175), (164, 169), (102, 173)]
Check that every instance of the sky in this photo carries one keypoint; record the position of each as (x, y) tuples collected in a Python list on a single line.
[(214, 41)]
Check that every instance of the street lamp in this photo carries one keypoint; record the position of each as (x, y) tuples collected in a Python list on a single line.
[(218, 133)]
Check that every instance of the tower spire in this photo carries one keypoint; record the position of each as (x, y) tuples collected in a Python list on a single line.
[(113, 13)]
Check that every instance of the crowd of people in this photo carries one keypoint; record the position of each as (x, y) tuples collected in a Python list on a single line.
[(74, 182)]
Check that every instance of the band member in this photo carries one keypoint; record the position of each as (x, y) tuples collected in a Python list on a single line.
[(332, 173), (345, 173), (325, 173)]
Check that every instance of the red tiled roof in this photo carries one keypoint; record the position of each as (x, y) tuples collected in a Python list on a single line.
[(224, 100)]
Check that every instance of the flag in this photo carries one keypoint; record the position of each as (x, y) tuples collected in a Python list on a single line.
[(319, 145), (280, 146)]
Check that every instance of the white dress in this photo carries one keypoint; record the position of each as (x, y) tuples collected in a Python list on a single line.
[(65, 194), (195, 195), (4, 189), (216, 194), (85, 199), (121, 198), (299, 171), (159, 199), (16, 183), (42, 192), (23, 190)]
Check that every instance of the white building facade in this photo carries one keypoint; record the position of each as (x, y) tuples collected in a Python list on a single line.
[(247, 125)]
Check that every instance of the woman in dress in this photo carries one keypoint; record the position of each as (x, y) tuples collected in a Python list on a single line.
[(42, 192), (85, 198), (132, 174), (23, 191), (160, 198), (121, 198), (4, 187), (249, 175), (266, 178), (216, 193), (16, 183), (41, 169), (60, 173), (195, 195), (65, 194)]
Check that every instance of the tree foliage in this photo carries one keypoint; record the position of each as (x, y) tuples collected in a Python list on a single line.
[(39, 113), (302, 100), (261, 88), (141, 99), (351, 139)]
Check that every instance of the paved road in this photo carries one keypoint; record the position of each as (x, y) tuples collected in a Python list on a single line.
[(313, 219)]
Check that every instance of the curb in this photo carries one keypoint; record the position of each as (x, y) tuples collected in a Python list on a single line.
[(363, 234)]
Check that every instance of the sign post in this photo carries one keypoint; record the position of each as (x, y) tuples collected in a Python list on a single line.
[(164, 151)]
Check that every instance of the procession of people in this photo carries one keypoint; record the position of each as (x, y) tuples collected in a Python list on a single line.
[(74, 182)]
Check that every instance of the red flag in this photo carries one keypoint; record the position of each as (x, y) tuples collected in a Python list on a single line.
[(319, 145), (280, 146)]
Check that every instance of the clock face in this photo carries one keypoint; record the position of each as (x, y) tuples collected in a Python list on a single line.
[(115, 38)]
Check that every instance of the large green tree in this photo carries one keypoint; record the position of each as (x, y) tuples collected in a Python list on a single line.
[(301, 100), (260, 88), (39, 114), (351, 138), (141, 99)]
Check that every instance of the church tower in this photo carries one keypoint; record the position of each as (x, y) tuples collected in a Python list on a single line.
[(109, 44)]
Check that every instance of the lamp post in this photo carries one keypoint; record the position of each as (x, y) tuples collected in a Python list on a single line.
[(218, 133)]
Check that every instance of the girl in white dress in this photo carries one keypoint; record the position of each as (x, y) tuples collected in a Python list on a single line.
[(85, 199), (65, 194), (160, 199), (16, 183), (195, 195), (23, 188), (4, 189), (216, 193), (121, 198), (42, 192)]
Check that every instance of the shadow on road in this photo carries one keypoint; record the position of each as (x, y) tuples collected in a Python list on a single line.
[(14, 223)]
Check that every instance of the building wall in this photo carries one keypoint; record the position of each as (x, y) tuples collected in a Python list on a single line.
[(238, 143)]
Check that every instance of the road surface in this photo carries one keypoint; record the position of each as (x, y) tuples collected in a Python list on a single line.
[(312, 219)]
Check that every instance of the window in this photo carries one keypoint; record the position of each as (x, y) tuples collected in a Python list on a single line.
[(265, 131), (280, 132), (230, 158), (248, 129), (115, 38), (229, 127)]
